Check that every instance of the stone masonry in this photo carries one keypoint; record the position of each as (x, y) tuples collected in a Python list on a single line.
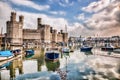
[(16, 35)]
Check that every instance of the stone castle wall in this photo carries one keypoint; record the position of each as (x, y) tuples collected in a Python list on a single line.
[(43, 34)]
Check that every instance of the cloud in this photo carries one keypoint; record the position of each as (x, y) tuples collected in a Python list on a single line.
[(65, 3), (58, 12), (96, 6), (104, 23), (5, 10), (106, 20), (80, 29), (30, 4), (80, 16), (30, 19)]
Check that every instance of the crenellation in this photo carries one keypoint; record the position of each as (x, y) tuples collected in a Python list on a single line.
[(21, 19), (13, 17)]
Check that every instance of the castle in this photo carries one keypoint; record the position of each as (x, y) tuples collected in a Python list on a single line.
[(44, 34)]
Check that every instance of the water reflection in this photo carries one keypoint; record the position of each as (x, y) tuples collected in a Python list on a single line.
[(14, 67), (40, 61), (80, 66), (16, 64), (88, 53), (52, 65)]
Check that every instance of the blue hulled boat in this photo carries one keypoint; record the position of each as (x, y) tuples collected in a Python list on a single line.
[(86, 48), (29, 53), (52, 55), (4, 55)]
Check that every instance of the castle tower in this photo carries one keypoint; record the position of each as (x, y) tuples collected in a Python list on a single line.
[(39, 24), (54, 35), (21, 19), (46, 30), (39, 21), (14, 30), (13, 17)]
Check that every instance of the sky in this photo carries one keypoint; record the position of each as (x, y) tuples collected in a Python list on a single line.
[(82, 17)]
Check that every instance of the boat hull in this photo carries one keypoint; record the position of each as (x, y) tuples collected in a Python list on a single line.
[(5, 58), (86, 49), (65, 50), (5, 55), (52, 56), (29, 53), (107, 49), (117, 51)]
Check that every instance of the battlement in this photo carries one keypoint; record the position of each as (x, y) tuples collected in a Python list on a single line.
[(21, 19), (13, 17), (39, 20), (43, 33)]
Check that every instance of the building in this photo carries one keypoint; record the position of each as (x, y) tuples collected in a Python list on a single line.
[(43, 35)]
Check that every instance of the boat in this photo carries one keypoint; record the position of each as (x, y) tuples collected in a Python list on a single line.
[(29, 53), (86, 48), (116, 50), (16, 52), (52, 55), (108, 47), (5, 55), (65, 50)]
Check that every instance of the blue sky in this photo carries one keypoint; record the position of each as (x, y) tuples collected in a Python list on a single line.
[(69, 8), (82, 17)]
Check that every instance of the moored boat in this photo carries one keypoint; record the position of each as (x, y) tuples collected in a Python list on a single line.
[(5, 55), (65, 50), (116, 50), (16, 52), (29, 53), (52, 55), (108, 47), (86, 48)]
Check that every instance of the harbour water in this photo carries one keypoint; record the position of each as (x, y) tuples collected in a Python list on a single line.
[(95, 65)]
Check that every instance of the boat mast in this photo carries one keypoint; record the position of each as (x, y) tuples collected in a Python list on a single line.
[(1, 39), (65, 28)]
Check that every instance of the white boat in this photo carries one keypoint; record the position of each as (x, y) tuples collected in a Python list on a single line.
[(65, 50), (116, 50), (108, 47)]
